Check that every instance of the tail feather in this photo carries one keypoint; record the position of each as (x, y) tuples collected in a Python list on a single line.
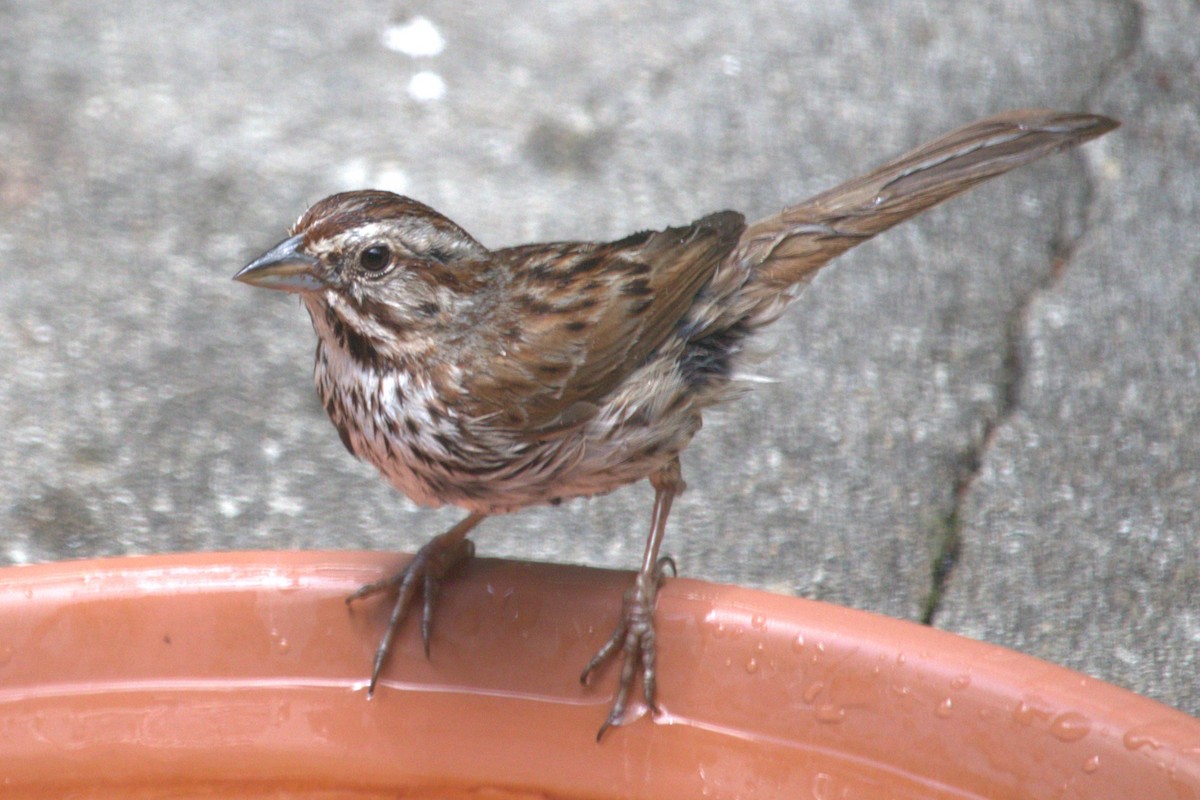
[(783, 252)]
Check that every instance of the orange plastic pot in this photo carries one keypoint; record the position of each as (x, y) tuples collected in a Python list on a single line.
[(243, 675)]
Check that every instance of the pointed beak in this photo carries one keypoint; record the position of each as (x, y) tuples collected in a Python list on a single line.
[(284, 267)]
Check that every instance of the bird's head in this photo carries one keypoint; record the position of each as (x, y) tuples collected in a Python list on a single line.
[(382, 262)]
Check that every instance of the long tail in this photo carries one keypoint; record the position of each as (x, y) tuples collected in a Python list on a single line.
[(784, 252)]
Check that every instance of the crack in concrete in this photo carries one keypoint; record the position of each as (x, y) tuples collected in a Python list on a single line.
[(1132, 33), (1063, 247), (1009, 384)]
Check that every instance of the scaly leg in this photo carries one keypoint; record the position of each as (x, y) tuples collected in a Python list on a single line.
[(634, 634), (431, 563)]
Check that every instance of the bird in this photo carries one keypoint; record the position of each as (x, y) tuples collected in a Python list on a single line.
[(498, 379)]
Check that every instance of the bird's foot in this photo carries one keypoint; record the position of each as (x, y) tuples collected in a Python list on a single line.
[(634, 636), (425, 571)]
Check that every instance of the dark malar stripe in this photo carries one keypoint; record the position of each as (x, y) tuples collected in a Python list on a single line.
[(359, 346)]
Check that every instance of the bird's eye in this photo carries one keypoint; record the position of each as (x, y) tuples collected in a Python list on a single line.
[(375, 258)]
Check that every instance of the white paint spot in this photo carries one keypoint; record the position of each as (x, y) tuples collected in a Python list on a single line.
[(286, 505), (356, 172), (228, 507), (162, 504), (730, 64), (271, 450), (390, 178), (41, 333), (426, 86), (416, 38)]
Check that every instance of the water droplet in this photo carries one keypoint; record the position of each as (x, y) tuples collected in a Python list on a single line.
[(944, 708), (758, 621), (290, 585), (738, 631), (281, 713), (813, 689), (1026, 714), (822, 786), (283, 646), (6, 654), (798, 642), (960, 682), (830, 714), (1137, 738), (752, 666), (1091, 765), (1070, 726), (719, 630)]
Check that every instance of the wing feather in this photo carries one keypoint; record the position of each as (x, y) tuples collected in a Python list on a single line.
[(580, 317)]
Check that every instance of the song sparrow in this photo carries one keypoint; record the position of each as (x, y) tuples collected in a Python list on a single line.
[(499, 379)]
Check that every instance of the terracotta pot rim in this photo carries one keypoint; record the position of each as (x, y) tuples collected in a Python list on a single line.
[(247, 670)]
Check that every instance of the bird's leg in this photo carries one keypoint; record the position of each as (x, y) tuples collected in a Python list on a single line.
[(431, 563), (634, 634)]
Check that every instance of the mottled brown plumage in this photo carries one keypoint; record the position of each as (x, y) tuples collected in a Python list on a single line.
[(499, 379)]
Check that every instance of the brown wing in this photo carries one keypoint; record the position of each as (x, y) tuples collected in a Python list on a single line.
[(582, 316)]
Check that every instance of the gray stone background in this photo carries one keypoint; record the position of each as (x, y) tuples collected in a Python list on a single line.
[(993, 406)]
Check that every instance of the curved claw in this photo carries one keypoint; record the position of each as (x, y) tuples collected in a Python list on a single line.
[(635, 634), (635, 637), (431, 563)]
